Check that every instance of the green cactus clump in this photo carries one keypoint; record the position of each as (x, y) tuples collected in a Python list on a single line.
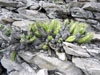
[(54, 32)]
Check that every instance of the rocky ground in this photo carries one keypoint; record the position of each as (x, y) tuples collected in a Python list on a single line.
[(76, 59)]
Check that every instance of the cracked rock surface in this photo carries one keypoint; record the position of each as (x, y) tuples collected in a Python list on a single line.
[(74, 58)]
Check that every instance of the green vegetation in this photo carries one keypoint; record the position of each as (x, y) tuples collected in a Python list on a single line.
[(13, 55), (53, 28)]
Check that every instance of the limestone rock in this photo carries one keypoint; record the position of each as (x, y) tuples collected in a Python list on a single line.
[(90, 66), (80, 13), (23, 25), (75, 50), (52, 63), (92, 6)]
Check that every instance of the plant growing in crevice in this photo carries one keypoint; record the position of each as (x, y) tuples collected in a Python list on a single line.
[(52, 33)]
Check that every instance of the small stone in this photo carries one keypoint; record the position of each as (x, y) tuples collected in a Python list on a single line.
[(42, 72), (23, 25)]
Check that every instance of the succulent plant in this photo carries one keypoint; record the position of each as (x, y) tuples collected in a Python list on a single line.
[(54, 28)]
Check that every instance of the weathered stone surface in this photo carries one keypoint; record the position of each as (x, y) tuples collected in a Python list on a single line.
[(96, 36), (42, 72), (23, 25), (91, 21), (53, 10), (87, 0), (9, 65), (97, 16), (32, 14), (80, 51), (26, 55), (80, 13), (92, 6), (44, 61), (19, 69), (11, 3), (90, 66), (75, 50)]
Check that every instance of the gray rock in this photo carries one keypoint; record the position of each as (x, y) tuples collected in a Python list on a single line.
[(80, 13), (11, 3), (53, 10), (23, 25), (16, 69), (75, 50), (80, 20), (26, 55), (32, 14), (89, 66), (42, 72), (96, 36), (97, 16), (14, 73), (34, 6), (44, 61), (87, 0), (90, 21), (92, 6), (9, 65)]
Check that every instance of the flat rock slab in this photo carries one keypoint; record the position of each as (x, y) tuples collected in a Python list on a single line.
[(52, 63), (75, 50), (23, 25), (90, 66), (19, 69), (92, 6)]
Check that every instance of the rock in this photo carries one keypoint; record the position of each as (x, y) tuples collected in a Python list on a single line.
[(27, 70), (80, 13), (90, 66), (75, 50), (9, 65), (42, 72), (87, 0), (14, 73), (90, 21), (53, 10), (4, 37), (7, 3), (44, 61), (32, 14), (96, 36), (23, 25), (26, 55), (61, 56), (11, 3), (16, 69), (97, 16), (92, 6), (34, 6)]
